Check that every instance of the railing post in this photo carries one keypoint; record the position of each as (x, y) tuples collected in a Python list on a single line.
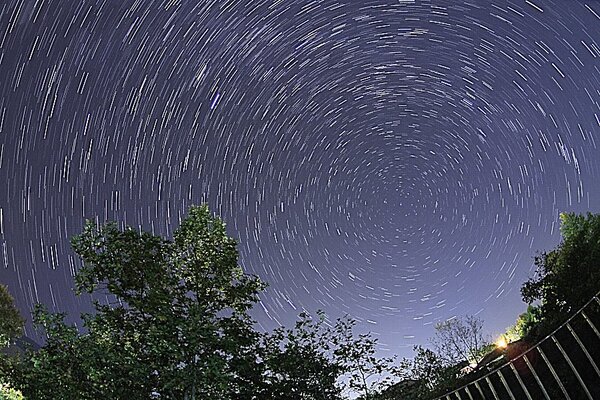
[(537, 378), (510, 393), (514, 370), (554, 374), (469, 393), (585, 350), (481, 391), (591, 324), (566, 356), (489, 382)]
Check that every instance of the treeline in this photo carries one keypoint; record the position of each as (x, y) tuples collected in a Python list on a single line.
[(176, 326)]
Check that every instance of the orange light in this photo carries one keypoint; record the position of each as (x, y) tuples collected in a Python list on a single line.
[(501, 342)]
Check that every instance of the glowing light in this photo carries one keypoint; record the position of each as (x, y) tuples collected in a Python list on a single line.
[(501, 342)]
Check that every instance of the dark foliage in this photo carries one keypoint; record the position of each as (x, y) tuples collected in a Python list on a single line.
[(568, 276), (178, 328), (11, 322)]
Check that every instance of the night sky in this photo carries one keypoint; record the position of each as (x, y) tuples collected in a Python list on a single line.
[(400, 161)]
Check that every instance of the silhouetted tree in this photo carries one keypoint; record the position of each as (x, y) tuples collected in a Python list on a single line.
[(11, 327), (425, 376), (569, 275), (11, 322), (460, 339), (178, 327)]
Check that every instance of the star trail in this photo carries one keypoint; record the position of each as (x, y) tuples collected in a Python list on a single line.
[(400, 161)]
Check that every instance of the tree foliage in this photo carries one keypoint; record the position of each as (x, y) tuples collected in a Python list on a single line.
[(425, 376), (525, 324), (11, 322), (11, 327), (569, 275), (364, 372), (176, 326), (456, 343), (297, 362), (8, 393), (460, 339)]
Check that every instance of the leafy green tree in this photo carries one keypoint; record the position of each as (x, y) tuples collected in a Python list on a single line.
[(8, 393), (568, 276), (11, 327), (11, 322), (425, 376), (176, 326), (524, 326), (317, 360), (55, 372), (297, 363)]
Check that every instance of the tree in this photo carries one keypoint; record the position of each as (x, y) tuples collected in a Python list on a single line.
[(365, 373), (425, 376), (55, 372), (11, 327), (297, 363), (460, 339), (176, 326), (524, 326), (568, 276), (8, 393), (318, 360), (457, 343), (11, 322)]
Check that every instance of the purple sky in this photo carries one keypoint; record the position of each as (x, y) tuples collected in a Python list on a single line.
[(401, 161)]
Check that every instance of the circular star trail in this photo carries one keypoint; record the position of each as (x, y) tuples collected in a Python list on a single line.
[(399, 161)]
